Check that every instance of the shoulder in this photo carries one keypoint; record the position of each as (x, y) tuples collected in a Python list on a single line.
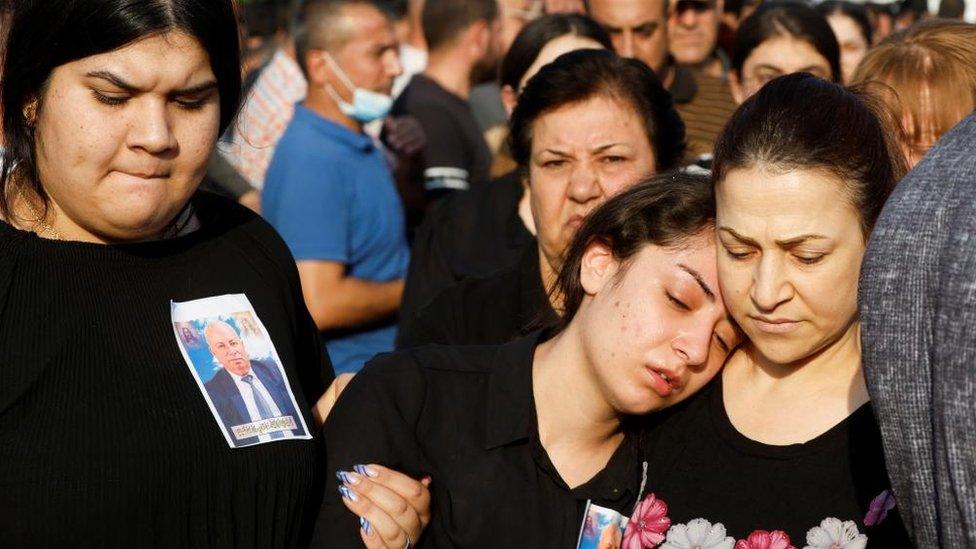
[(219, 381), (231, 223)]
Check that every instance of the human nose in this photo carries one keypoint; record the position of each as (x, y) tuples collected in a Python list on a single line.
[(687, 17), (624, 43), (151, 129), (393, 66), (584, 184), (692, 345), (770, 286)]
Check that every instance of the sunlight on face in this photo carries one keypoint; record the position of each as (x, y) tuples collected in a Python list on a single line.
[(582, 154), (790, 250), (775, 57), (123, 138), (657, 330)]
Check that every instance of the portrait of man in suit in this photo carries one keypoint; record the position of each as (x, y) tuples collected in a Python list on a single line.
[(245, 391)]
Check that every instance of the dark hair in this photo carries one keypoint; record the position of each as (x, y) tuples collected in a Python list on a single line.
[(534, 36), (801, 121), (580, 75), (778, 18), (46, 34), (444, 20), (665, 210), (856, 12), (319, 25)]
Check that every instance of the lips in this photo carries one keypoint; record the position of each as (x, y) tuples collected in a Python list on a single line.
[(774, 325), (664, 381)]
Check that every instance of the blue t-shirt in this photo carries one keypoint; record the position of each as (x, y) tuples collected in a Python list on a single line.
[(330, 194)]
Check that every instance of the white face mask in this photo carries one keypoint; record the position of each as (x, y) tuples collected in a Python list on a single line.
[(366, 105)]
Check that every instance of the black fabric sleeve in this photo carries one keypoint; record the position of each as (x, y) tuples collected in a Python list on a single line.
[(430, 270), (375, 421), (446, 160)]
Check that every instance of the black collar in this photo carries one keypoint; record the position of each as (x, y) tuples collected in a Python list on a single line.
[(511, 418)]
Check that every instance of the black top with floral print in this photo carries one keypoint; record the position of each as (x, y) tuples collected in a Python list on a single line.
[(721, 489)]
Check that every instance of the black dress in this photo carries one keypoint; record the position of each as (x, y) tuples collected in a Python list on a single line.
[(106, 437)]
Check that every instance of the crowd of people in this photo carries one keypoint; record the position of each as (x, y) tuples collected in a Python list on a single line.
[(488, 273)]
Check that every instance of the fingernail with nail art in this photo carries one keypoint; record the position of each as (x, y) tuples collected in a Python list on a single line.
[(365, 471), (348, 494), (347, 478), (365, 526)]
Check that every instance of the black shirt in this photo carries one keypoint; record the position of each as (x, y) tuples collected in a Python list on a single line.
[(472, 234), (465, 416), (703, 468), (456, 156), (105, 437), (489, 310)]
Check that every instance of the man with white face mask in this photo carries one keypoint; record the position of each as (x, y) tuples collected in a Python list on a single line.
[(329, 191)]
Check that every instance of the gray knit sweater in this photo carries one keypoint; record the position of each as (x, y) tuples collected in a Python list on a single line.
[(918, 307)]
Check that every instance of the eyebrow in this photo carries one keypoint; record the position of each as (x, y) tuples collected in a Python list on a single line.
[(785, 243), (701, 281), (599, 149), (117, 81)]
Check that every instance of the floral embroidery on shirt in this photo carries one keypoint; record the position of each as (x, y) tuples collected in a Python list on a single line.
[(834, 534), (698, 534), (878, 510), (761, 539), (647, 524)]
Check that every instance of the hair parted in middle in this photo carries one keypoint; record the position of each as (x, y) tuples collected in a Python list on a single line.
[(584, 74)]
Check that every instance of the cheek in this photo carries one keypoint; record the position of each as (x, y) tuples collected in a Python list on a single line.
[(197, 136)]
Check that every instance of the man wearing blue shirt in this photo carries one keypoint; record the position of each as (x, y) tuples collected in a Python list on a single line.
[(330, 192)]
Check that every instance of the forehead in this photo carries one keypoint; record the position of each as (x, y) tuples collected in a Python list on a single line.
[(695, 252), (369, 26), (168, 60), (844, 27), (766, 203), (592, 121), (627, 13), (786, 53)]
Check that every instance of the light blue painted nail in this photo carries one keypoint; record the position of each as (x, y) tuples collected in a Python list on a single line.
[(348, 494), (365, 526), (365, 471)]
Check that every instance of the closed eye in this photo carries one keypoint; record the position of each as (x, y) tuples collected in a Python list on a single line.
[(677, 302)]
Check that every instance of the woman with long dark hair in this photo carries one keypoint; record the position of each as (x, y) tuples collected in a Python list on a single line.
[(157, 362)]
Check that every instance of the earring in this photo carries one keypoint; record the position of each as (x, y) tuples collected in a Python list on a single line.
[(30, 113)]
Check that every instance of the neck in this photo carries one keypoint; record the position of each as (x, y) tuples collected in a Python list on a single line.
[(321, 103), (586, 422), (667, 76), (549, 272), (835, 369), (451, 71)]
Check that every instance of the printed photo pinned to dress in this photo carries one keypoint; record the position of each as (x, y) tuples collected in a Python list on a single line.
[(237, 368), (602, 528)]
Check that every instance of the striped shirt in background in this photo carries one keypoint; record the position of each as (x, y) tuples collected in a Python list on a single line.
[(263, 118), (705, 104)]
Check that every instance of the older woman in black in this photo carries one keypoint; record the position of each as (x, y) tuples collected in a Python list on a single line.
[(586, 127), (514, 462), (157, 361)]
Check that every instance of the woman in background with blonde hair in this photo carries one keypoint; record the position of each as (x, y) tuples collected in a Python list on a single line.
[(926, 77)]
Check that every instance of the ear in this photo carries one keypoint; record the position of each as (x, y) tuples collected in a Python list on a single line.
[(735, 86), (319, 72), (509, 98), (597, 268), (479, 36)]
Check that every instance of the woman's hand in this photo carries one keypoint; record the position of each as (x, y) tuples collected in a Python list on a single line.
[(393, 509), (322, 408)]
